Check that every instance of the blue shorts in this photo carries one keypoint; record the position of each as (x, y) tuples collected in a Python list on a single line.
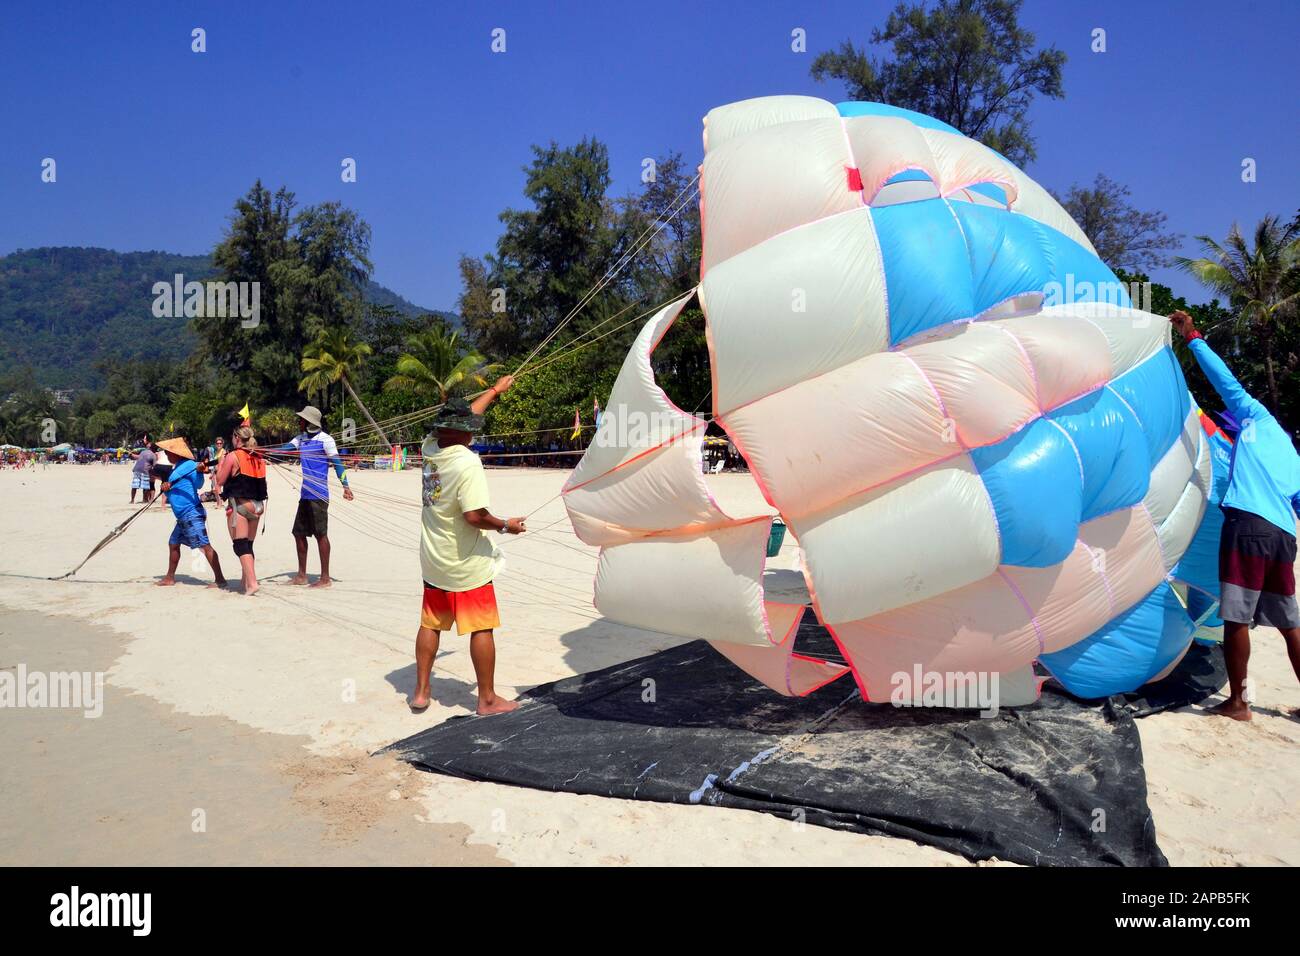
[(191, 531), (139, 481)]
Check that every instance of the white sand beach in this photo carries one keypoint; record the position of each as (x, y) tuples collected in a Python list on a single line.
[(260, 711)]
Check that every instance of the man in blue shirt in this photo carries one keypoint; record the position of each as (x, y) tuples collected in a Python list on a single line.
[(1257, 548), (317, 453), (182, 488)]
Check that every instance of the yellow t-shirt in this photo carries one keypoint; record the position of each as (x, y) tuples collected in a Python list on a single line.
[(454, 555)]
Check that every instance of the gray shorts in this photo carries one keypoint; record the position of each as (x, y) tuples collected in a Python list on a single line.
[(1256, 571)]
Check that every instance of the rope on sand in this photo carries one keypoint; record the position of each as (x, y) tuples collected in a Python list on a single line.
[(108, 539)]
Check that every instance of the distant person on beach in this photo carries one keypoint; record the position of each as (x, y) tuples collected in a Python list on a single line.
[(142, 473), (457, 559), (241, 480), (182, 488), (317, 453), (216, 453), (1257, 548)]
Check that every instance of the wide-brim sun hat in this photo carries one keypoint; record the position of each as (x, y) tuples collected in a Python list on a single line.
[(456, 415), (311, 415), (176, 446)]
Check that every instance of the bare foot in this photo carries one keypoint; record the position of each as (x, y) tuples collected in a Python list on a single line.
[(251, 589), (1236, 709), (321, 583), (298, 579), (166, 582), (419, 702), (221, 583), (497, 706)]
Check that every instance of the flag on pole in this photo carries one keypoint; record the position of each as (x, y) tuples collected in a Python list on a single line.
[(596, 406), (577, 425), (245, 413)]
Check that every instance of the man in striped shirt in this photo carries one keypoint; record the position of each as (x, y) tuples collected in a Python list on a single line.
[(317, 453)]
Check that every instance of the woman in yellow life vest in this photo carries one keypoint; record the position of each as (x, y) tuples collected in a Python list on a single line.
[(241, 483)]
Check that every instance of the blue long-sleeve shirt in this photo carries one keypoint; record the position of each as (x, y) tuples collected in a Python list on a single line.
[(1264, 477)]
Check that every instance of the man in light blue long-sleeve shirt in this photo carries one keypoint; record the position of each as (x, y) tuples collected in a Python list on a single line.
[(1257, 549)]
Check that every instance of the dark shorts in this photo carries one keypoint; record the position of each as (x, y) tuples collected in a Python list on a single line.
[(191, 531), (312, 519), (1256, 571)]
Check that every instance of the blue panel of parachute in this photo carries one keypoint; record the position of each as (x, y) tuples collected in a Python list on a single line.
[(927, 268), (950, 261), (1037, 492), (909, 176), (1113, 449), (1128, 651), (1157, 391), (884, 109), (992, 190), (1199, 566)]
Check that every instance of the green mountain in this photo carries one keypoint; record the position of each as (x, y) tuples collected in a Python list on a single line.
[(65, 308)]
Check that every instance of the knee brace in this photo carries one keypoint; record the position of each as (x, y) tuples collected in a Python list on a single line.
[(243, 547)]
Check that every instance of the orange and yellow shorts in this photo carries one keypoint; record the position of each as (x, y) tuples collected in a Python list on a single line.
[(474, 610)]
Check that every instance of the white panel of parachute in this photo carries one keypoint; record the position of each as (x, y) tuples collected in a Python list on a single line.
[(988, 458)]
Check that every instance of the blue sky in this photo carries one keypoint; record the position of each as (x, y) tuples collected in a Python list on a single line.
[(154, 142)]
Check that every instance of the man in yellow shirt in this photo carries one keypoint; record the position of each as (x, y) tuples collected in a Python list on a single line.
[(457, 558)]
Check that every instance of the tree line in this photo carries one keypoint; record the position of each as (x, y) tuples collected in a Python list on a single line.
[(967, 62)]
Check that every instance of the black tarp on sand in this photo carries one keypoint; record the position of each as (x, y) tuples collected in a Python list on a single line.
[(1058, 783)]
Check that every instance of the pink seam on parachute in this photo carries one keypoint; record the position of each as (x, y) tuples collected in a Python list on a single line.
[(925, 335), (1152, 519), (767, 625), (871, 221), (637, 457), (844, 652), (699, 422), (892, 170), (1111, 389), (1101, 569), (699, 460), (1029, 611), (943, 410), (1083, 480), (1029, 362), (699, 171), (1007, 187), (965, 450), (821, 619), (840, 671), (965, 240), (938, 399), (884, 284)]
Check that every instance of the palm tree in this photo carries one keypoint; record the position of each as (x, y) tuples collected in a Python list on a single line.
[(436, 366), (331, 358), (1263, 284)]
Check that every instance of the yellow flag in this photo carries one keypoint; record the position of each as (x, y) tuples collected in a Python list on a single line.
[(244, 413), (577, 425)]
